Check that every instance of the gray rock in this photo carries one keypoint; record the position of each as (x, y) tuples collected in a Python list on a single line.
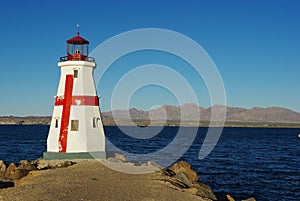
[(3, 166), (182, 177)]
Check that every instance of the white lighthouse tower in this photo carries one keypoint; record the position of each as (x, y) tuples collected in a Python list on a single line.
[(76, 129)]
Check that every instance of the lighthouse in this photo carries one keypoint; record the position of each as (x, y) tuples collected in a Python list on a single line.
[(76, 129)]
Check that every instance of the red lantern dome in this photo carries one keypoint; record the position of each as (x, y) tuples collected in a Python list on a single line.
[(77, 49), (77, 40)]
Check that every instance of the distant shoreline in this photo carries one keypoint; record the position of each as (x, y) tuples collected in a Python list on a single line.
[(46, 121), (270, 117)]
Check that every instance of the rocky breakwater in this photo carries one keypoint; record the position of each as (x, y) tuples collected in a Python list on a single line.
[(180, 177), (16, 171), (185, 178)]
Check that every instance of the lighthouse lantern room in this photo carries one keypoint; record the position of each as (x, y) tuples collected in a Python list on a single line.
[(76, 129)]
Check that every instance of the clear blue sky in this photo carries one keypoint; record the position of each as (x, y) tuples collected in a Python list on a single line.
[(254, 44)]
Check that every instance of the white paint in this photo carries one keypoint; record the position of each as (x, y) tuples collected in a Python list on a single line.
[(87, 138)]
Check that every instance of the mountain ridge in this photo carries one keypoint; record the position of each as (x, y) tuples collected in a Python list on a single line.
[(188, 114), (192, 112)]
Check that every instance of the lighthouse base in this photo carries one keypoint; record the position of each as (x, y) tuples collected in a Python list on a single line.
[(82, 155)]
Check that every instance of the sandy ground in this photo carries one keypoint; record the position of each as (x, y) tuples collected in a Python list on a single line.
[(90, 180)]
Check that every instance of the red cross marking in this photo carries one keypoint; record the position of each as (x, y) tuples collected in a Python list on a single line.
[(67, 101)]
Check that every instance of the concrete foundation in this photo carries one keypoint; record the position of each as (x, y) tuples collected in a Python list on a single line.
[(82, 155)]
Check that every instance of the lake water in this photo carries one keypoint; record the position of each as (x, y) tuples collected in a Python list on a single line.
[(246, 162)]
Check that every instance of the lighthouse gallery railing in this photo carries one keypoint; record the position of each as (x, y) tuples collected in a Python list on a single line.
[(65, 58)]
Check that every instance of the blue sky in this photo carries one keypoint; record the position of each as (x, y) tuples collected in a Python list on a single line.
[(254, 44)]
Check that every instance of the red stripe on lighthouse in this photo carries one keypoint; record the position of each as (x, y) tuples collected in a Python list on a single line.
[(66, 101), (79, 100), (85, 100)]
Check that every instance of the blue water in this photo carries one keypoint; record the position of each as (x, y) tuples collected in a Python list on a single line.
[(246, 162)]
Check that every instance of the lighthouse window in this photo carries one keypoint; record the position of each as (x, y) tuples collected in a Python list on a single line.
[(77, 51), (75, 73), (74, 125), (56, 123), (95, 122)]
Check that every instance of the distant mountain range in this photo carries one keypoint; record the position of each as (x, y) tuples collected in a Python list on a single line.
[(187, 114), (190, 113)]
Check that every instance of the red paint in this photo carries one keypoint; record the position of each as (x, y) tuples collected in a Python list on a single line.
[(81, 46), (77, 57), (66, 101), (85, 100), (77, 40), (59, 100), (79, 100)]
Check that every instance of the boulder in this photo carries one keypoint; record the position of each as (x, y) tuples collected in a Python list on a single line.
[(185, 168), (168, 172), (177, 182), (3, 166), (153, 164), (52, 164), (35, 162), (26, 165), (42, 164), (64, 164), (250, 199), (208, 195), (182, 177), (191, 190), (120, 156), (115, 160), (205, 191), (229, 198), (13, 172)]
